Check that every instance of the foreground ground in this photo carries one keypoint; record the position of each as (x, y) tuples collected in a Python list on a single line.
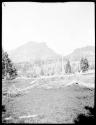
[(49, 100)]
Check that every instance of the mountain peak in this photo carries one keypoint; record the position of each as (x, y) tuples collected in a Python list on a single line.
[(32, 51)]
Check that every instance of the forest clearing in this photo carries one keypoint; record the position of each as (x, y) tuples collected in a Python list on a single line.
[(49, 100)]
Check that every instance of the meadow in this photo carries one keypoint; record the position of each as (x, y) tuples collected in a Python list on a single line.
[(49, 99)]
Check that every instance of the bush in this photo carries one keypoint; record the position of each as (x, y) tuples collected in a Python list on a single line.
[(90, 118)]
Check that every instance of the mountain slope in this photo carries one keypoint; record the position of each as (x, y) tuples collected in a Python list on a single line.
[(32, 51), (77, 54)]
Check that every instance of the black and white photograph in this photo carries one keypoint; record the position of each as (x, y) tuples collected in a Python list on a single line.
[(48, 62)]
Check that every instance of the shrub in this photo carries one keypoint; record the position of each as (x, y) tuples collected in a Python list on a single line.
[(90, 118)]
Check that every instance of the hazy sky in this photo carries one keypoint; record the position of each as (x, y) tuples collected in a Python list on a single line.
[(63, 26)]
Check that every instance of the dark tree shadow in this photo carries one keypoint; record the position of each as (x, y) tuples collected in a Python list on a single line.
[(3, 113), (3, 108), (90, 118)]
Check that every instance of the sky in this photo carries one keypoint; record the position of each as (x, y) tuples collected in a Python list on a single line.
[(62, 26)]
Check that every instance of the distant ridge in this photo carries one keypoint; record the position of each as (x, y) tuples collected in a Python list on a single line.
[(77, 54), (32, 51)]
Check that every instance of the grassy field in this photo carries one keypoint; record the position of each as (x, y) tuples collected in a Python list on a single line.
[(49, 100)]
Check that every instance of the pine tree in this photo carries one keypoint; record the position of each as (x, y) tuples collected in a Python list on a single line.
[(8, 69), (68, 67), (84, 65)]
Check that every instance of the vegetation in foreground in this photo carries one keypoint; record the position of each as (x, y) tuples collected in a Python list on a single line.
[(50, 105), (89, 118), (53, 102)]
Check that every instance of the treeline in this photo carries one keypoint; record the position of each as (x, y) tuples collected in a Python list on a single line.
[(48, 68), (42, 67)]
